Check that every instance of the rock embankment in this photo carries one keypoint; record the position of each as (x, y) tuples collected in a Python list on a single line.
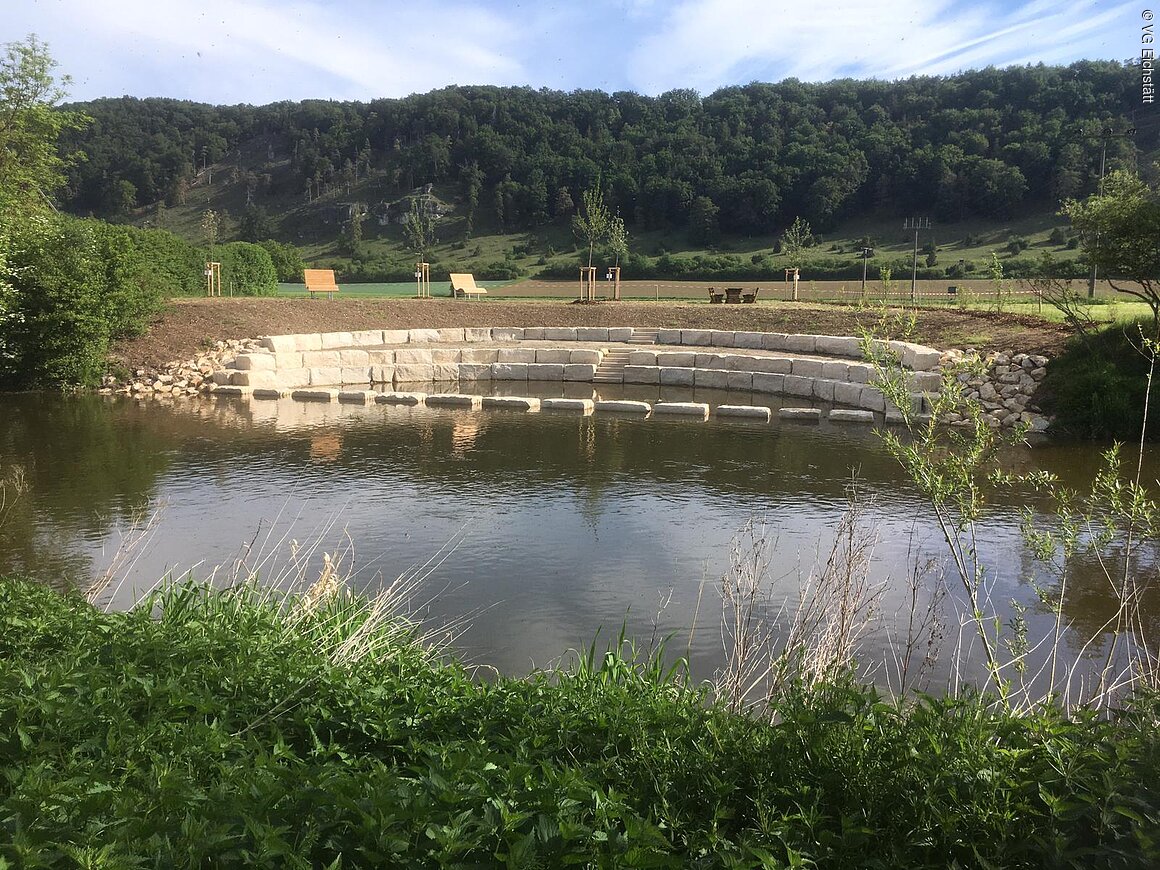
[(1004, 386), (186, 377)]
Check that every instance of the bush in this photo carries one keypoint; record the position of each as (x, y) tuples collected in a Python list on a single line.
[(287, 260), (247, 270)]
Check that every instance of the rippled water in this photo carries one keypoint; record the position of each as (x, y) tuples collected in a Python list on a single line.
[(564, 525)]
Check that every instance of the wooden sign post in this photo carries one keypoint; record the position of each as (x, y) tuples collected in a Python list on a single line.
[(587, 283), (213, 279), (423, 280), (793, 274), (613, 278)]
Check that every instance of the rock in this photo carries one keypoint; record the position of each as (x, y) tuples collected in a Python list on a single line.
[(987, 392), (1039, 373)]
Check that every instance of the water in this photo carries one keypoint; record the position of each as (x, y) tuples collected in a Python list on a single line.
[(562, 526)]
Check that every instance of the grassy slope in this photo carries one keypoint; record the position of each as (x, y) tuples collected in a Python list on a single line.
[(223, 733)]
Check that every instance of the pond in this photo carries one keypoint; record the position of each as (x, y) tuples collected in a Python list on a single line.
[(538, 530)]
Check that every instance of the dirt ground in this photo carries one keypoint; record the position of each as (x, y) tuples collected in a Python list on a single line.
[(187, 326)]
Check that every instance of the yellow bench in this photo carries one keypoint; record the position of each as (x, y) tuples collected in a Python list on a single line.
[(463, 286), (320, 281)]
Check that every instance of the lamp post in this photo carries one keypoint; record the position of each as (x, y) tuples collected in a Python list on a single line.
[(867, 253), (915, 224), (1105, 135)]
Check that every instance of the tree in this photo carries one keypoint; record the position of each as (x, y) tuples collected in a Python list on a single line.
[(419, 229), (617, 238), (794, 241), (1119, 228), (593, 222), (211, 224), (703, 226)]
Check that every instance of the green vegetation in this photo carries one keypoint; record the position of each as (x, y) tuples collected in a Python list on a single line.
[(239, 729)]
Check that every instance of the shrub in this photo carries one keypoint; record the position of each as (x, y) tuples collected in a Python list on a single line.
[(247, 270)]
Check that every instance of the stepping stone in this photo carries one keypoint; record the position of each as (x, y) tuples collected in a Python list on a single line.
[(622, 406), (584, 406), (401, 398), (513, 403), (842, 415), (454, 400), (314, 395), (755, 412), (268, 393), (226, 390), (690, 409), (357, 397), (805, 415)]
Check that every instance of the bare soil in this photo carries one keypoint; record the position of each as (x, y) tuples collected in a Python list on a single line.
[(188, 326)]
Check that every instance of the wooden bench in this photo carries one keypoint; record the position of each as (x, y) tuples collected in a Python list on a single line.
[(320, 281), (750, 296), (716, 297), (732, 295), (463, 286)]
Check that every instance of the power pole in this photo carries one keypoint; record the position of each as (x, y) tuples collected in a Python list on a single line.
[(915, 224), (1104, 136)]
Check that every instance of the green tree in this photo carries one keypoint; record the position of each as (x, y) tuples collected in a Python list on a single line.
[(1120, 228), (794, 241), (703, 226), (419, 229), (593, 222), (287, 260), (247, 270)]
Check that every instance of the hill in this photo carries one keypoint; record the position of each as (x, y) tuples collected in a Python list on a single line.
[(987, 155)]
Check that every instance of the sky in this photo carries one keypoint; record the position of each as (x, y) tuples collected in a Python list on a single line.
[(263, 51)]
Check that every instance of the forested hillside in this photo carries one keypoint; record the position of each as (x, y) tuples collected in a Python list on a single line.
[(741, 160)]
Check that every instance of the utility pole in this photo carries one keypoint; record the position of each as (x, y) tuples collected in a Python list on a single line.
[(1104, 136), (915, 224)]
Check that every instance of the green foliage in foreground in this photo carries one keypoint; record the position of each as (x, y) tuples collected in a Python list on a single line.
[(214, 729), (1096, 387)]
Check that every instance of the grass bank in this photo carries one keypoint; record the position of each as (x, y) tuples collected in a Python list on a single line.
[(229, 729)]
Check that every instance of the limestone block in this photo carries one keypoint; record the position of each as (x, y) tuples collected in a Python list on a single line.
[(794, 385), (836, 371), (622, 406), (291, 378), (509, 371), (422, 336), (545, 371), (255, 362), (592, 333), (722, 338), (872, 399), (859, 373), (414, 374), (228, 390), (336, 339), (642, 375), (767, 382), (516, 355), (270, 393), (288, 360), (445, 372), (584, 406), (585, 357), (414, 356), (731, 362), (893, 418), (642, 358), (697, 337), (804, 415), (754, 412), (778, 365), (923, 381), (534, 333), (308, 341), (680, 377), (740, 380), (325, 375), (552, 355), (807, 368), (579, 371), (396, 336), (453, 334), (512, 403), (401, 398), (353, 358), (801, 343), (687, 409), (824, 389), (446, 355), (845, 415), (775, 341), (712, 378), (480, 355), (381, 357), (454, 400), (920, 358), (280, 343), (752, 340), (259, 378), (507, 333), (382, 374), (668, 336), (357, 397), (560, 333), (475, 371), (676, 359), (356, 375), (313, 359), (837, 345), (314, 395), (619, 333), (367, 338), (707, 360), (847, 393), (473, 334)]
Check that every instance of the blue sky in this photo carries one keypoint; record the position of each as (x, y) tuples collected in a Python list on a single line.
[(261, 51)]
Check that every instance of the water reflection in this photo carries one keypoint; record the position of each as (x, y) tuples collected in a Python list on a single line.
[(569, 524)]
